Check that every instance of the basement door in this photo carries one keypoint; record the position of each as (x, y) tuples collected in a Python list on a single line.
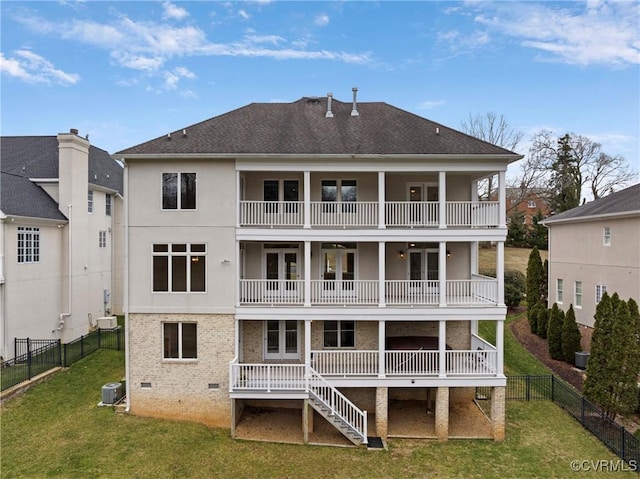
[(282, 339)]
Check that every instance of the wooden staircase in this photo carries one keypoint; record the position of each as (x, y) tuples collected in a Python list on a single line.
[(331, 404)]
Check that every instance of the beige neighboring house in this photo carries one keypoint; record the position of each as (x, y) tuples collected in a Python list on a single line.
[(592, 249), (317, 255), (61, 238)]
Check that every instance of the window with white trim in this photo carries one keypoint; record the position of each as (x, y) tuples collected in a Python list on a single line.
[(179, 267), (339, 191), (102, 239), (178, 191), (107, 204), (90, 201), (577, 293), (28, 244), (339, 334), (559, 290), (180, 341), (606, 236), (531, 203), (600, 290)]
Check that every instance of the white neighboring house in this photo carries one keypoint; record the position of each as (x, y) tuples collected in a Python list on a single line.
[(61, 236), (316, 255), (595, 248)]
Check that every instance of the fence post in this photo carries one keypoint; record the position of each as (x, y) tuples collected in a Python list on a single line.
[(82, 346), (118, 339), (582, 410), (99, 339), (553, 388), (64, 346), (28, 360), (59, 352), (528, 388)]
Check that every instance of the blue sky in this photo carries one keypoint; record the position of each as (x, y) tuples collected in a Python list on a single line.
[(127, 72)]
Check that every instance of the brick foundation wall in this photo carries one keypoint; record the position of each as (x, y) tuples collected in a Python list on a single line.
[(194, 390)]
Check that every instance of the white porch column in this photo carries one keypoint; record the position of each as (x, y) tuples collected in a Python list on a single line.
[(502, 198), (500, 271), (307, 273), (381, 200), (307, 199), (474, 257), (474, 326), (237, 340), (442, 348), (381, 348), (442, 274), (474, 190), (238, 272), (500, 347), (307, 348), (382, 300), (238, 199), (442, 199)]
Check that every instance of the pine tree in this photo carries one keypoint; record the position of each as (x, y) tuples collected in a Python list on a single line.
[(597, 387), (534, 278), (516, 231), (624, 361), (635, 315), (542, 318), (570, 336), (544, 284), (554, 332)]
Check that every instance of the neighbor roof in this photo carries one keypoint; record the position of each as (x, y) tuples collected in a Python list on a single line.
[(622, 202), (25, 157), (301, 127)]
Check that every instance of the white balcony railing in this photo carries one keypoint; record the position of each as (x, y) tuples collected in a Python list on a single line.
[(477, 362), (267, 376), (345, 363), (479, 291), (364, 214)]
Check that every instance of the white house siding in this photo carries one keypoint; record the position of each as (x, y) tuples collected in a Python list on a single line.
[(577, 253), (195, 390)]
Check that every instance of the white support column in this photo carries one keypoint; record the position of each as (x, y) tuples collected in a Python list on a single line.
[(236, 338), (474, 190), (307, 348), (474, 326), (500, 347), (238, 199), (238, 272), (382, 300), (442, 199), (474, 257), (381, 348), (502, 197), (442, 348), (442, 274), (307, 199), (381, 200), (307, 273), (500, 271)]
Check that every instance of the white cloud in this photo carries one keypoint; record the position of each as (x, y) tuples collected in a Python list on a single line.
[(173, 11), (33, 68), (243, 14), (578, 33), (429, 104), (321, 20)]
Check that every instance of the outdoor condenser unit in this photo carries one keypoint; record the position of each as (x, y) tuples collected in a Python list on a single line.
[(111, 393)]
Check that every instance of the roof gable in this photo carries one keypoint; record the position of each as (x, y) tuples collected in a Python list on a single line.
[(302, 127)]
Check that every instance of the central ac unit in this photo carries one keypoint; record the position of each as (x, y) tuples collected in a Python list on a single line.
[(107, 322), (111, 393)]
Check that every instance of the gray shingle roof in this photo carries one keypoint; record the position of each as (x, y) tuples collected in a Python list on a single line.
[(301, 127), (620, 202), (24, 157)]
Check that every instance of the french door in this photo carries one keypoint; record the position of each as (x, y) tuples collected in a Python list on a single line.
[(281, 272), (282, 339), (419, 211), (338, 271), (423, 270)]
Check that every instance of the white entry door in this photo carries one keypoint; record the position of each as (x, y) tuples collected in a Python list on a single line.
[(338, 271), (420, 212), (282, 339), (423, 270), (281, 272)]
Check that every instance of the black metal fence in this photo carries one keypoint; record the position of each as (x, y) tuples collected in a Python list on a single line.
[(592, 418), (39, 355)]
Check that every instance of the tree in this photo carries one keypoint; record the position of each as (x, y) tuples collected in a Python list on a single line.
[(538, 234), (570, 336), (554, 332), (544, 284), (517, 231), (534, 278), (566, 178), (635, 315), (597, 386), (542, 321)]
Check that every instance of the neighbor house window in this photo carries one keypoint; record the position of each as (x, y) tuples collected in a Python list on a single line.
[(102, 239), (559, 290), (178, 191), (180, 340), (578, 294), (28, 244), (339, 334), (107, 204), (90, 201), (600, 290), (606, 237), (531, 204), (179, 267)]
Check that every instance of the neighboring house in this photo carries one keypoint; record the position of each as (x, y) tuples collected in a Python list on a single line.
[(310, 254), (61, 237), (529, 204), (592, 249)]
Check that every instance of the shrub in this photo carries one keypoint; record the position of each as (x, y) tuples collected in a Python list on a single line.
[(542, 322), (554, 332), (570, 337)]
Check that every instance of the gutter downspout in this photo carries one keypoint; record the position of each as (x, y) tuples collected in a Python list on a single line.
[(70, 252), (127, 369)]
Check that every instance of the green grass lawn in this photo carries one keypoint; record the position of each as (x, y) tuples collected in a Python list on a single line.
[(57, 430)]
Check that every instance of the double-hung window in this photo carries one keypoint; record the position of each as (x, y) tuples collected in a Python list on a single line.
[(28, 244), (600, 290), (578, 294), (179, 267), (339, 191), (180, 340), (606, 236), (90, 201), (559, 290), (178, 191), (102, 239), (339, 334), (107, 204)]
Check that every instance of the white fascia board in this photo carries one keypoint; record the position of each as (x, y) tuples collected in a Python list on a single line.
[(419, 382), (180, 310), (586, 219), (31, 220)]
